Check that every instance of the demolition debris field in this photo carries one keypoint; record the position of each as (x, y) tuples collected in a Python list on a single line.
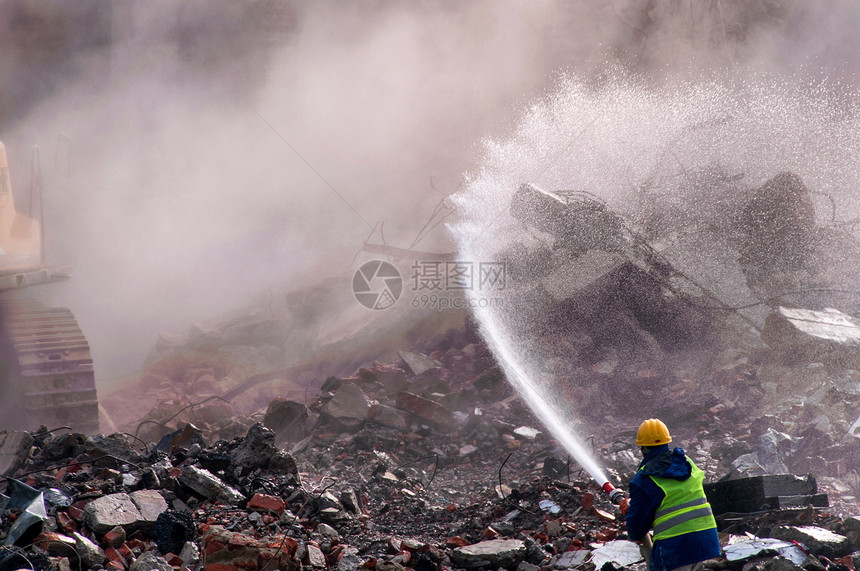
[(428, 462)]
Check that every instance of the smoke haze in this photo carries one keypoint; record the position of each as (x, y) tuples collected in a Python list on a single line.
[(195, 154)]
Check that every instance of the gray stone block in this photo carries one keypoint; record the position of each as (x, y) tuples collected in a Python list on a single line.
[(105, 513), (507, 553), (14, 448), (209, 485)]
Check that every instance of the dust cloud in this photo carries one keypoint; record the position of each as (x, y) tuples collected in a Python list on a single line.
[(197, 153)]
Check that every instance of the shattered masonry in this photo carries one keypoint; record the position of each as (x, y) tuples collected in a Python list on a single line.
[(370, 475)]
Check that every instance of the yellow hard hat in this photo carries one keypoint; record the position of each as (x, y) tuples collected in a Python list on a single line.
[(652, 432)]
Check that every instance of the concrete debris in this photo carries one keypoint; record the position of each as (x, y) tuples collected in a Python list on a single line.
[(771, 447), (150, 504), (742, 548), (549, 506), (571, 559), (391, 378), (759, 493), (389, 416), (493, 554), (426, 410), (87, 551), (111, 451), (103, 514), (619, 552), (288, 419), (418, 364), (184, 437), (190, 554), (208, 485), (14, 448), (255, 450), (816, 539), (799, 335), (315, 557), (596, 280), (447, 469), (150, 561), (348, 407), (526, 433)]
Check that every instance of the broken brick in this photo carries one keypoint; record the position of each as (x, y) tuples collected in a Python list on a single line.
[(263, 503)]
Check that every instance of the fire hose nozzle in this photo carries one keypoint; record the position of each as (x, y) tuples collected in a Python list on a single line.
[(616, 496)]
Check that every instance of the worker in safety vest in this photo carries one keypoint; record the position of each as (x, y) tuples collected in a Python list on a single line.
[(666, 495)]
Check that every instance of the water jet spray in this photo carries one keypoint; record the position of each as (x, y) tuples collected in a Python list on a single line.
[(630, 151)]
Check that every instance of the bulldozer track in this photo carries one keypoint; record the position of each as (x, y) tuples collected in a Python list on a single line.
[(51, 365)]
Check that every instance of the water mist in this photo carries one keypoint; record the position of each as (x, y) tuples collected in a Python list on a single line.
[(643, 149)]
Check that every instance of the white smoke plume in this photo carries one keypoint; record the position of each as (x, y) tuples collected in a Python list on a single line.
[(200, 152)]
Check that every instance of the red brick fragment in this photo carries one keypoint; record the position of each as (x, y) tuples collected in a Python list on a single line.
[(609, 532), (115, 556), (66, 523), (54, 542), (237, 541), (456, 541), (587, 501), (290, 546), (114, 538), (213, 545), (124, 550), (76, 511), (264, 502)]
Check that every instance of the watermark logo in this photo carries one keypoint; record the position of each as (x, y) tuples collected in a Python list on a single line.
[(435, 284), (377, 285), (437, 275)]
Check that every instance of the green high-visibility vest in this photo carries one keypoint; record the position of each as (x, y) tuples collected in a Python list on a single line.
[(685, 508)]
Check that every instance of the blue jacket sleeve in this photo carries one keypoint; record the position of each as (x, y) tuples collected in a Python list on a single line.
[(643, 506)]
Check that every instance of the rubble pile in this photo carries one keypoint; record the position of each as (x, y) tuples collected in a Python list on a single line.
[(333, 443), (406, 500), (426, 463), (217, 374)]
